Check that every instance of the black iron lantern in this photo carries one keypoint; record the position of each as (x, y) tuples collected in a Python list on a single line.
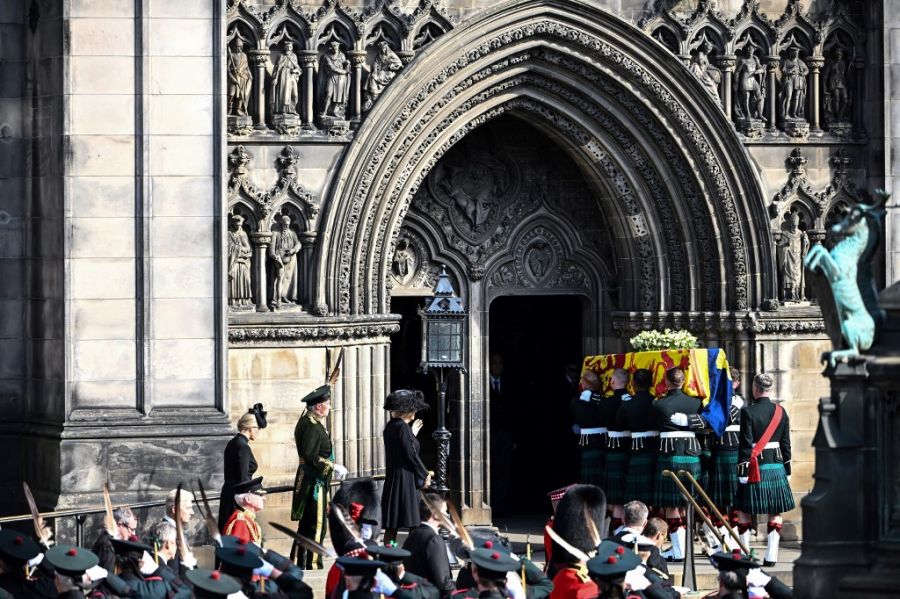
[(443, 344)]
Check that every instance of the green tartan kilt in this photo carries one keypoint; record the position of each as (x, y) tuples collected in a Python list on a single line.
[(667, 494), (771, 495), (593, 465), (614, 477), (640, 476), (722, 486)]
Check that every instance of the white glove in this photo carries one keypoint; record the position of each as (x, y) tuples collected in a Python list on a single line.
[(586, 395), (576, 429), (148, 566), (789, 478), (36, 560), (189, 561), (340, 472), (757, 578), (679, 419), (95, 573), (265, 569), (366, 531), (635, 579), (383, 584), (743, 479)]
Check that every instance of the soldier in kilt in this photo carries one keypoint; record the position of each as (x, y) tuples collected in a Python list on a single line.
[(590, 430), (764, 464), (618, 447), (638, 416), (723, 483), (313, 482), (679, 419)]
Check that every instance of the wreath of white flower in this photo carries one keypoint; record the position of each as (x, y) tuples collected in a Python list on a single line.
[(660, 340)]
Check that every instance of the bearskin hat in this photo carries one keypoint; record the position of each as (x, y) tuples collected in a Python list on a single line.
[(579, 502), (360, 501)]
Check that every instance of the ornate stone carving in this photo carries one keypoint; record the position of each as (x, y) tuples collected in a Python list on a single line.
[(322, 328), (793, 246), (838, 95), (239, 178), (750, 92), (705, 72), (539, 262), (240, 83), (283, 254), (285, 91), (334, 81), (412, 266), (794, 73), (240, 293), (385, 67)]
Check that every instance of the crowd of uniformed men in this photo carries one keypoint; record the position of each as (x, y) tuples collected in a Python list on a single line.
[(626, 442)]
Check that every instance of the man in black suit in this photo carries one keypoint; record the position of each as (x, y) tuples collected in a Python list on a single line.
[(429, 557), (632, 530), (502, 444)]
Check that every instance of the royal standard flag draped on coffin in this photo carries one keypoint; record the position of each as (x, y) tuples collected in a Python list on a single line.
[(706, 376)]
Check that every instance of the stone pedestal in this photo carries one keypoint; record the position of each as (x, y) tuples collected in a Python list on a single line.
[(752, 128), (334, 125), (841, 129), (286, 124), (240, 125), (796, 127)]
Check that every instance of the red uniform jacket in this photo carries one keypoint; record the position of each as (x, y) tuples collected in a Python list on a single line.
[(574, 583), (242, 524)]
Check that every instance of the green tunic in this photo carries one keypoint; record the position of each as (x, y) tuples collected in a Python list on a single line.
[(312, 485)]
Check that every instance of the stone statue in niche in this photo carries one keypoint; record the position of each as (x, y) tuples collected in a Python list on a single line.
[(837, 92), (708, 75), (749, 77), (334, 73), (793, 92), (285, 90), (384, 69), (239, 255), (794, 245), (240, 80), (283, 252), (402, 265)]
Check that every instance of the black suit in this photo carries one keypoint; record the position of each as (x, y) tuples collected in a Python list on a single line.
[(429, 559), (240, 465), (655, 560)]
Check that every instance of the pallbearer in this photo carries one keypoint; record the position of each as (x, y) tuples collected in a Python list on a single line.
[(618, 446), (764, 464), (638, 416), (723, 481), (590, 430)]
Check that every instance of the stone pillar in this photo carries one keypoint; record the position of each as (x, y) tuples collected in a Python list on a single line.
[(815, 103), (357, 58), (261, 241), (308, 59), (305, 262), (259, 59), (859, 100), (726, 64), (772, 93)]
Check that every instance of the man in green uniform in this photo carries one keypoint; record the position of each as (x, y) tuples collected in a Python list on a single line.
[(312, 485)]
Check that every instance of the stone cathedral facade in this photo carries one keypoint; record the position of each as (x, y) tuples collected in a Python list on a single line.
[(205, 202)]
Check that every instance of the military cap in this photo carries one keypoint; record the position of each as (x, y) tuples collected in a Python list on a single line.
[(612, 561), (493, 542), (390, 554), (359, 566), (17, 547), (254, 485), (125, 547), (235, 542), (732, 561), (70, 560), (239, 558), (493, 562), (318, 396), (212, 583)]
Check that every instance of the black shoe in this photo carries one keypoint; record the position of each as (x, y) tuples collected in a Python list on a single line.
[(768, 564)]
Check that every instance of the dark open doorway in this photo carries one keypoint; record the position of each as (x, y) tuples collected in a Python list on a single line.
[(537, 336)]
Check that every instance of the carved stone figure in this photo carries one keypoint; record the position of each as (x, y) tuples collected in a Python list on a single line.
[(750, 82), (283, 252), (239, 254), (794, 246), (403, 259), (837, 90), (334, 74), (793, 86), (539, 258), (708, 75), (285, 88), (384, 69), (240, 80)]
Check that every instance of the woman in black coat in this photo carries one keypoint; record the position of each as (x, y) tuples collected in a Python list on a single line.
[(240, 465), (405, 472)]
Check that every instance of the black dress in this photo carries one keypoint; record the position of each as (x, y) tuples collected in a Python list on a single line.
[(240, 465), (405, 475)]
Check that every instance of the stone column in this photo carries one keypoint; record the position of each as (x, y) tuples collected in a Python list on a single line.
[(815, 67), (859, 100), (260, 241), (726, 64), (308, 59), (357, 58), (259, 59), (772, 93), (306, 261)]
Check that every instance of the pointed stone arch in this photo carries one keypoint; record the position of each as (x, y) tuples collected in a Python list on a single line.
[(561, 61)]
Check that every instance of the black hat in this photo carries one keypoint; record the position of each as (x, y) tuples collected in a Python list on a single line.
[(360, 501), (257, 410), (123, 548), (17, 547), (390, 554), (254, 485), (318, 396), (70, 560), (570, 523), (406, 400), (612, 561), (732, 561), (493, 562), (232, 542), (239, 558), (359, 566), (212, 583), (493, 542)]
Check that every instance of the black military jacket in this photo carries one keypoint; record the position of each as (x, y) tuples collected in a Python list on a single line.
[(636, 414), (674, 402), (429, 559), (755, 419)]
